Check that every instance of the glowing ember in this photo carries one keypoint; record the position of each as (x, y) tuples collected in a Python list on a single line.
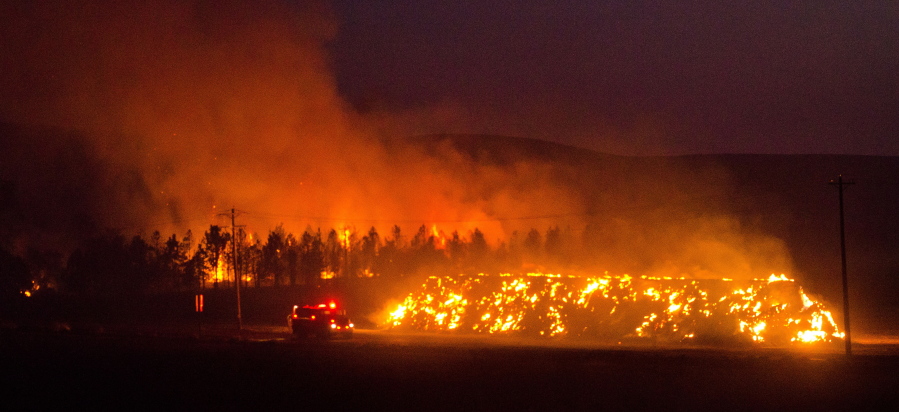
[(30, 291), (773, 310)]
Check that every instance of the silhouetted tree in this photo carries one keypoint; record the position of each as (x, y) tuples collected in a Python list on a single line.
[(46, 267), (195, 268), (14, 275), (502, 259), (351, 256), (312, 260), (425, 254), (143, 270), (391, 261), (371, 245), (171, 263), (456, 248), (272, 265), (155, 240), (532, 246), (514, 252), (194, 275), (422, 238), (100, 265), (292, 258), (334, 252), (478, 252), (251, 258), (215, 241)]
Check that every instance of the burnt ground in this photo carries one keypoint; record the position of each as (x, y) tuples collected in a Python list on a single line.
[(379, 371)]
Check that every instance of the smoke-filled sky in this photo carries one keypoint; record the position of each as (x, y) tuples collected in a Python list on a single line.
[(633, 77), (160, 114)]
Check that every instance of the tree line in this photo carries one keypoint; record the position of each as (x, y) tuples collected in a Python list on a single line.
[(113, 263)]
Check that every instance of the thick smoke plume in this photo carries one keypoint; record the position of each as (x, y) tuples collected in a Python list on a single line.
[(162, 115), (194, 108)]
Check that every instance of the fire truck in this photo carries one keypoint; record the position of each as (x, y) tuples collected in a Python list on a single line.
[(321, 321)]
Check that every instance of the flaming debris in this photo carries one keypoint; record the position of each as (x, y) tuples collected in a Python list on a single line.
[(773, 310)]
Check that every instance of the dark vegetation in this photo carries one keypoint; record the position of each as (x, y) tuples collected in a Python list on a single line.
[(116, 279), (621, 214)]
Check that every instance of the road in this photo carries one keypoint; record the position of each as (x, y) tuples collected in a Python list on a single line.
[(379, 370)]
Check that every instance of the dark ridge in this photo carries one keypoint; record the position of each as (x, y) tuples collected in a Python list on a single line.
[(785, 196), (503, 150), (777, 170), (53, 185)]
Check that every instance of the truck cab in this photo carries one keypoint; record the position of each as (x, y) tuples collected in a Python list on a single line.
[(321, 321)]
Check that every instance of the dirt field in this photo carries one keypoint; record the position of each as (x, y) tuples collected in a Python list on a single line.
[(378, 370)]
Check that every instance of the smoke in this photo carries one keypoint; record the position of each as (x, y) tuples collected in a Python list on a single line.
[(162, 115), (190, 108), (206, 101)]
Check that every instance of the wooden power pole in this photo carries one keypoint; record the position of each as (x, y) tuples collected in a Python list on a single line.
[(839, 183), (234, 265)]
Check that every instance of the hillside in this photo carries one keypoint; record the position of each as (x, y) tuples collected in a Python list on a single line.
[(642, 205), (704, 216)]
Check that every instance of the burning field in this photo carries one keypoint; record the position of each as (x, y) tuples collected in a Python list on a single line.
[(773, 311)]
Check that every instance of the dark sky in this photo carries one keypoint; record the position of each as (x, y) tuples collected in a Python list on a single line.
[(161, 114), (631, 77), (165, 112)]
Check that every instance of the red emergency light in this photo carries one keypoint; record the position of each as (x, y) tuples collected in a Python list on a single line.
[(330, 305)]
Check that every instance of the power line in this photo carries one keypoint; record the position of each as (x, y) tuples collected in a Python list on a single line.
[(408, 220), (744, 202), (730, 203)]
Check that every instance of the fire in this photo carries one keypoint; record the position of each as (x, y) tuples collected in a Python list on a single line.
[(220, 272), (439, 238), (773, 310), (31, 289)]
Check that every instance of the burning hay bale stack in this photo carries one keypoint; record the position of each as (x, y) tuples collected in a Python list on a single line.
[(774, 310)]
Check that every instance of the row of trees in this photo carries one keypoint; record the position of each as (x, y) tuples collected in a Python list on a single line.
[(114, 263)]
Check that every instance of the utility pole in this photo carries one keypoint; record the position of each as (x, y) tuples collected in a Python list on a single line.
[(234, 265), (346, 253), (840, 183)]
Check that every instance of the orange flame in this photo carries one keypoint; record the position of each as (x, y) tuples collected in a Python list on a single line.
[(439, 238), (772, 310)]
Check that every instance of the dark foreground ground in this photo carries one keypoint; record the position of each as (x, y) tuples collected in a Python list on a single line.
[(382, 371)]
